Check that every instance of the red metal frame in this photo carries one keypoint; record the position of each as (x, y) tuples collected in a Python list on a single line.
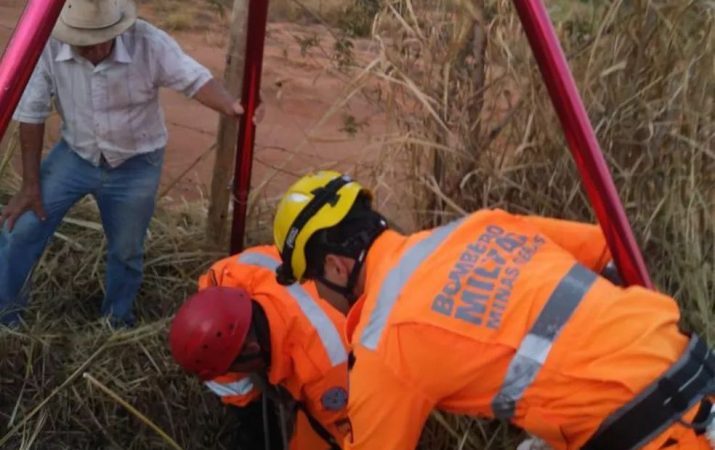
[(250, 98), (22, 52), (582, 141)]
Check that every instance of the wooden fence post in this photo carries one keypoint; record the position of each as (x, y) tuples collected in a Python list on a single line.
[(221, 180)]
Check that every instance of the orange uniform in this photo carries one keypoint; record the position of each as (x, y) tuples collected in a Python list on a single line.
[(498, 315), (308, 351)]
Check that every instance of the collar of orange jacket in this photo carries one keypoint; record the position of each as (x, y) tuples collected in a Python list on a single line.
[(280, 366), (382, 248)]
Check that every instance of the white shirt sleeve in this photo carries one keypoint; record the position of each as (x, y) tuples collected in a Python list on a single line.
[(36, 103), (176, 69)]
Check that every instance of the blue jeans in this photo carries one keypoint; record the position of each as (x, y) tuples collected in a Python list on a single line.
[(125, 196)]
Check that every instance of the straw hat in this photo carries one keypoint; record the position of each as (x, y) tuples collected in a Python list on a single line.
[(90, 22)]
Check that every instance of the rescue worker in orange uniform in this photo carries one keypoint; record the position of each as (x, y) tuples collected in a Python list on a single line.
[(246, 335), (498, 316)]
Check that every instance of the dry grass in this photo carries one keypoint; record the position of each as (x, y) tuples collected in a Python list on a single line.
[(477, 130), (47, 403), (306, 11), (481, 131), (50, 371)]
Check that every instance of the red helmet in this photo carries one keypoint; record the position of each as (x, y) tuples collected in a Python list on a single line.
[(209, 330)]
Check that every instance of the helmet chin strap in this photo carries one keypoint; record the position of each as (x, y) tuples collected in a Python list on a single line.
[(348, 291), (376, 224), (345, 291)]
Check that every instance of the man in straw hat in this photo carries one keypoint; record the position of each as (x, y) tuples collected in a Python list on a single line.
[(103, 67)]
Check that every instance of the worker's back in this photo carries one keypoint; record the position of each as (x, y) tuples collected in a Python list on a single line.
[(308, 350), (501, 316)]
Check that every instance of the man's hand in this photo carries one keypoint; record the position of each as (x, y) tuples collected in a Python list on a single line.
[(259, 113), (29, 198), (214, 95), (236, 108), (237, 111)]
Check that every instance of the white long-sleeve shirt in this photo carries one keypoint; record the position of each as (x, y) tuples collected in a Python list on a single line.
[(111, 109)]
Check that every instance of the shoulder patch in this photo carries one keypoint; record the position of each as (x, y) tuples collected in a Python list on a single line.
[(334, 399)]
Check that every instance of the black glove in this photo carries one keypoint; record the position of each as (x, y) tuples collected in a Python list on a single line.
[(610, 272)]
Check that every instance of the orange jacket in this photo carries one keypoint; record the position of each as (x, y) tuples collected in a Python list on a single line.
[(456, 318), (308, 351)]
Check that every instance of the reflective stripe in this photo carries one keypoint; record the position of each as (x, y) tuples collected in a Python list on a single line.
[(396, 279), (241, 387), (329, 335), (535, 347)]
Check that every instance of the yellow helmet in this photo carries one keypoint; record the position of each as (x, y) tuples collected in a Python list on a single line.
[(315, 202)]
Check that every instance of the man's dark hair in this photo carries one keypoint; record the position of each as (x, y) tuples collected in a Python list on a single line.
[(350, 237)]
